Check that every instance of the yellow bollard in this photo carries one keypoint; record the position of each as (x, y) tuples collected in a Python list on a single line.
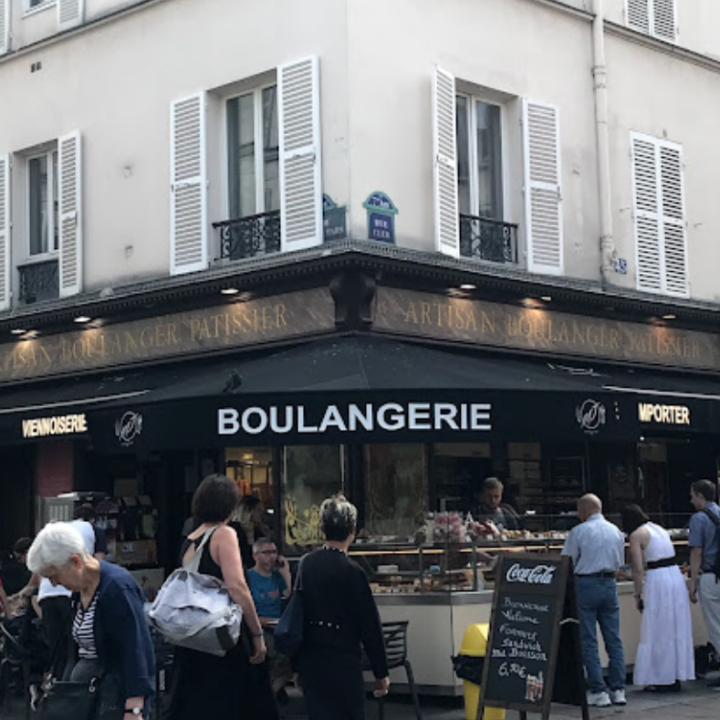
[(474, 644)]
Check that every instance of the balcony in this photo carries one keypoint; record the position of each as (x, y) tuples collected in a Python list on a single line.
[(488, 240), (249, 237), (39, 281)]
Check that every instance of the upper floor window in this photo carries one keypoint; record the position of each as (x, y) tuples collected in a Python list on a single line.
[(653, 17), (480, 165), (42, 203), (253, 153), (36, 3)]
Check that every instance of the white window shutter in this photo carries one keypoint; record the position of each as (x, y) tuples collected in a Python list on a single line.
[(638, 15), (300, 154), (664, 21), (188, 187), (659, 209), (70, 13), (4, 232), (70, 214), (447, 221), (543, 198), (5, 26), (673, 220), (648, 246)]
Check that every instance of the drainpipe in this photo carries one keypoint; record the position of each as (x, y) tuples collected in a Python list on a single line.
[(607, 243)]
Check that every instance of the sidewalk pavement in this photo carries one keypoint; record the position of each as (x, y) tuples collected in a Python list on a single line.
[(695, 702)]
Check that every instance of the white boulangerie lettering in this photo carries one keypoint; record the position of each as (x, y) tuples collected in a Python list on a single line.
[(389, 417), (538, 575)]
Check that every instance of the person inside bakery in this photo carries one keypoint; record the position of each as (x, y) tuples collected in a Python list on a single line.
[(492, 507)]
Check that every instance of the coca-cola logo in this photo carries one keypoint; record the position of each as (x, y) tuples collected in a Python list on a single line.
[(537, 575)]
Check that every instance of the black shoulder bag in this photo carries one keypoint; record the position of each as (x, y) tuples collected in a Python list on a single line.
[(291, 626)]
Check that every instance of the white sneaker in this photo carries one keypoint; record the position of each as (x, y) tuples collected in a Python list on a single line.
[(617, 697), (598, 699)]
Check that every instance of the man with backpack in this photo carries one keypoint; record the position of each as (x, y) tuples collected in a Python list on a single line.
[(705, 558)]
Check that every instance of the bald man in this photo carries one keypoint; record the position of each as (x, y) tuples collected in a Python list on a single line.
[(597, 549)]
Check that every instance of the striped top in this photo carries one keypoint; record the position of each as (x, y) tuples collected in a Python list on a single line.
[(84, 630)]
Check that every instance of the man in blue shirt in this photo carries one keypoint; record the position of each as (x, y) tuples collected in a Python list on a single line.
[(269, 580), (270, 584), (702, 541), (597, 549)]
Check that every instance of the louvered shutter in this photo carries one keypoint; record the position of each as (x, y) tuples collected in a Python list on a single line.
[(647, 215), (673, 220), (188, 188), (70, 214), (659, 210), (5, 26), (300, 154), (4, 232), (543, 199), (71, 13), (447, 232), (663, 17), (638, 15)]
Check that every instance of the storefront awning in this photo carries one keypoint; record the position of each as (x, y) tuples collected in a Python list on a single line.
[(363, 388)]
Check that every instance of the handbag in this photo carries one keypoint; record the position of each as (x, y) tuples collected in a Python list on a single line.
[(291, 626), (196, 611), (66, 699)]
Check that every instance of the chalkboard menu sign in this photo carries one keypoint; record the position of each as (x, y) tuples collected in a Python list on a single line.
[(533, 616)]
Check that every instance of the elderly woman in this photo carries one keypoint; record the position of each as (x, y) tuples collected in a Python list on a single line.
[(340, 616), (109, 625)]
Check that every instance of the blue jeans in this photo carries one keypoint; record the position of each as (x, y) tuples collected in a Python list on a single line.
[(598, 604)]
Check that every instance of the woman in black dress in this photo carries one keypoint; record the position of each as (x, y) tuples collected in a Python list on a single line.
[(340, 616), (235, 686)]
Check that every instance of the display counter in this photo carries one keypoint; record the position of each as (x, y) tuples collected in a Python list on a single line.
[(442, 588)]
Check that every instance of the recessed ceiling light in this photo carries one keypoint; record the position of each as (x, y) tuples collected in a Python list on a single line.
[(82, 319), (468, 286), (229, 291), (546, 298), (531, 303), (18, 331), (669, 316)]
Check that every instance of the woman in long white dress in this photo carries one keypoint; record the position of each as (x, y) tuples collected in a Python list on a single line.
[(665, 655)]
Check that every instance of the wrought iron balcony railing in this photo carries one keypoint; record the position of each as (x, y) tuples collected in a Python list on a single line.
[(489, 240), (250, 236), (39, 281)]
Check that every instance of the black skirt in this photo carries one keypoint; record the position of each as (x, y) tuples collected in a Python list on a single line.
[(219, 688)]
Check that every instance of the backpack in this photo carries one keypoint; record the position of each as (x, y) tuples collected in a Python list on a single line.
[(196, 611), (716, 521)]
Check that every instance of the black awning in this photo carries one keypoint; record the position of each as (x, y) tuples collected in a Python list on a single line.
[(178, 405)]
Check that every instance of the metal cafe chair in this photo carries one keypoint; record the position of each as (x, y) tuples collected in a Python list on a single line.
[(395, 636)]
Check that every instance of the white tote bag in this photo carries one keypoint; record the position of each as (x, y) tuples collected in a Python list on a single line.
[(196, 611)]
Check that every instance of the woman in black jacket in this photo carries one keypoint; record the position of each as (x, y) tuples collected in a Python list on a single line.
[(340, 616)]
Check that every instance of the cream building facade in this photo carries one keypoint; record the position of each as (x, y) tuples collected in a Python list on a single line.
[(145, 140)]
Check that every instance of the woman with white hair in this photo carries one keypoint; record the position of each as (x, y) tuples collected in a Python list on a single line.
[(340, 616), (109, 626)]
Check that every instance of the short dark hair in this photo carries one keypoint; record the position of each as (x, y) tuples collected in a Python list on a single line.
[(633, 516), (22, 545), (492, 483), (215, 499), (85, 512), (704, 488), (338, 518)]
